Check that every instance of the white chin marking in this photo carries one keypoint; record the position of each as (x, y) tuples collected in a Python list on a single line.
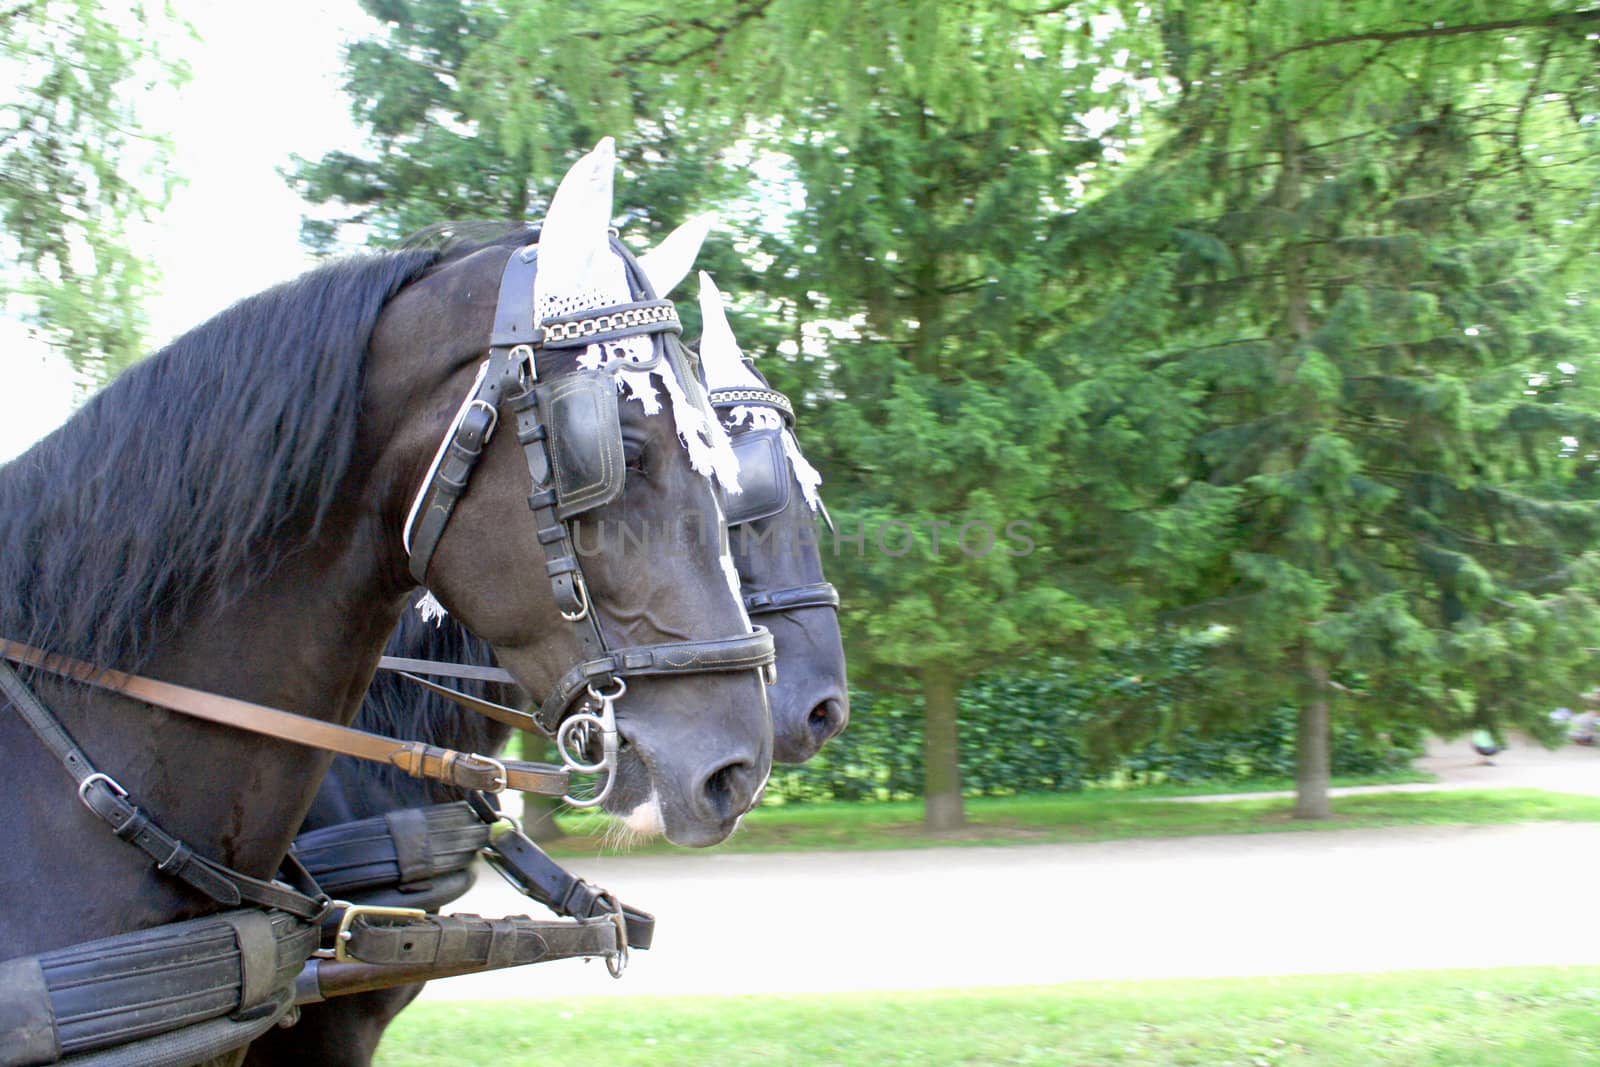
[(646, 818)]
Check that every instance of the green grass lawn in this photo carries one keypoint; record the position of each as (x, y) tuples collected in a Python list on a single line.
[(1522, 1017), (1096, 816)]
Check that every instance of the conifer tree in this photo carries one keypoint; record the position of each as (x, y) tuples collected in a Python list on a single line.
[(982, 478), (1376, 240)]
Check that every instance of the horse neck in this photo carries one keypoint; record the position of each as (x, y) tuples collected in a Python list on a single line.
[(306, 640), (396, 707)]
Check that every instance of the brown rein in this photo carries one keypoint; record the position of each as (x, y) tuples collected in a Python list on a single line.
[(416, 758)]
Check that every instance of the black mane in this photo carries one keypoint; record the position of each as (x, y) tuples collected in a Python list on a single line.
[(172, 489)]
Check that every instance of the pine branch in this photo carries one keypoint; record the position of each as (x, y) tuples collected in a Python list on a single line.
[(1562, 20)]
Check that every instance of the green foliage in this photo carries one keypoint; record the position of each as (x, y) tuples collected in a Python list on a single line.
[(75, 169), (466, 124), (1272, 322), (1366, 226), (1065, 727)]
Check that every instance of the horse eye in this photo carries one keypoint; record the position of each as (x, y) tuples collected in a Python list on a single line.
[(634, 457)]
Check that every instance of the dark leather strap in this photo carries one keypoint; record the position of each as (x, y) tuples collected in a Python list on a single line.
[(135, 986), (454, 940), (103, 796), (531, 870), (463, 448), (27, 1020), (773, 601), (513, 717), (744, 652), (467, 672), (420, 760)]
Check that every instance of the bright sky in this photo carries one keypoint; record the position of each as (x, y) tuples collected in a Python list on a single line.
[(265, 84)]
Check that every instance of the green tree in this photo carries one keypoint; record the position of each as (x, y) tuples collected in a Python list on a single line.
[(463, 127), (1377, 236), (75, 169), (984, 478)]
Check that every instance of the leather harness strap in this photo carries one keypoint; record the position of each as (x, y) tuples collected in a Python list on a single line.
[(741, 653), (416, 758), (235, 966), (404, 850), (102, 795), (510, 374), (449, 670), (775, 601), (531, 870), (454, 940)]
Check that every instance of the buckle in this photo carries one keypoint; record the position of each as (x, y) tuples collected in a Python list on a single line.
[(616, 965), (111, 784), (341, 939)]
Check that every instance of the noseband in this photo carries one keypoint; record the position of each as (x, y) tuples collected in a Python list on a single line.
[(567, 425)]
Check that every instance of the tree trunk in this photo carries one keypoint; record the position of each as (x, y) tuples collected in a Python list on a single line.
[(941, 783), (1311, 745)]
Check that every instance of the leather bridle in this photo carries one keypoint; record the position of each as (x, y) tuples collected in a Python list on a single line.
[(510, 376), (786, 598)]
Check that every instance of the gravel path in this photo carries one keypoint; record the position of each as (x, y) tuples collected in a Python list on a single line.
[(1280, 903)]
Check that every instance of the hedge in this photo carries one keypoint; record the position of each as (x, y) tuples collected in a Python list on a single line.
[(1054, 731)]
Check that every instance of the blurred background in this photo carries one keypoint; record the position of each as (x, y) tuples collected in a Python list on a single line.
[(1207, 395)]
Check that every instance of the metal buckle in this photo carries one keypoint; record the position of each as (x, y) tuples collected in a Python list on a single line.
[(582, 588), (616, 965), (111, 784), (500, 779), (527, 369), (351, 911), (494, 417)]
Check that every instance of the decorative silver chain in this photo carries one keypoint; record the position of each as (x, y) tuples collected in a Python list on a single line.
[(723, 398), (607, 322)]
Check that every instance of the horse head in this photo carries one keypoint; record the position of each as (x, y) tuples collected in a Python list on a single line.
[(773, 534), (624, 452)]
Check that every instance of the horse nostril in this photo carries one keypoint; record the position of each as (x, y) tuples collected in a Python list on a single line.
[(827, 719), (730, 790)]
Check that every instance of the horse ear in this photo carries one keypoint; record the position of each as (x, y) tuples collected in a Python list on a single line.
[(668, 263), (574, 230), (719, 350)]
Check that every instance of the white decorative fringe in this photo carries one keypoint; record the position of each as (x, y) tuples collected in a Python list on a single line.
[(809, 477), (430, 609)]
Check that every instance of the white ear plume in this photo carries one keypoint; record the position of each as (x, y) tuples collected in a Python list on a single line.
[(668, 263), (726, 368), (573, 235), (719, 349), (577, 269)]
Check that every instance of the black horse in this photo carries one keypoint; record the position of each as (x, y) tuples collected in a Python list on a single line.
[(228, 516), (776, 551)]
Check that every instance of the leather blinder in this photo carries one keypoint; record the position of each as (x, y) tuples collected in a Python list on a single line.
[(585, 440), (763, 477)]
